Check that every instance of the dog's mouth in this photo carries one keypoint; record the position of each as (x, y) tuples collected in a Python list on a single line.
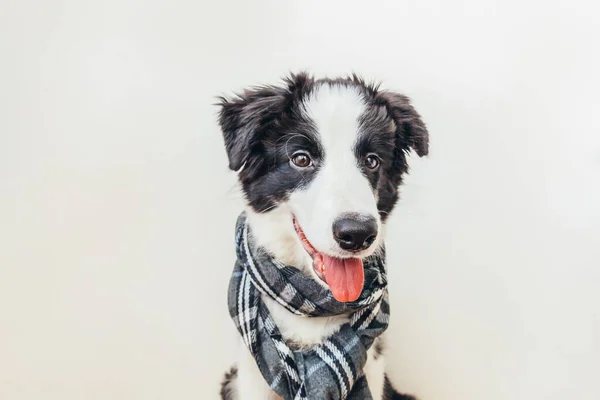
[(344, 276)]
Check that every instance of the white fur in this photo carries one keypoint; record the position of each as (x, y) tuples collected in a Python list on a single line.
[(339, 187)]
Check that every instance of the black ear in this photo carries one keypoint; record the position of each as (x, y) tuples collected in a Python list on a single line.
[(246, 118), (410, 128)]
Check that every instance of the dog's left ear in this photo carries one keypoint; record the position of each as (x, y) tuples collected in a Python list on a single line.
[(410, 128)]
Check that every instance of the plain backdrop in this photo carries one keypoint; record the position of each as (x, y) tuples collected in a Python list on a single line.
[(117, 208)]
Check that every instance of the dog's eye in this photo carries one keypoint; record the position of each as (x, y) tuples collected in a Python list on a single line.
[(301, 160), (372, 161)]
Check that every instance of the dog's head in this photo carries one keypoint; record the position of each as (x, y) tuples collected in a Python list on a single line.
[(332, 153)]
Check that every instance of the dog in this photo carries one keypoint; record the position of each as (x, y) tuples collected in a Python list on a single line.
[(319, 162)]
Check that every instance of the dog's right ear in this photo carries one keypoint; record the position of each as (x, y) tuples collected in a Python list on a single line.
[(243, 120), (247, 117)]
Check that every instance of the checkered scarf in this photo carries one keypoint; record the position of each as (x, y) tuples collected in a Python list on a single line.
[(330, 370)]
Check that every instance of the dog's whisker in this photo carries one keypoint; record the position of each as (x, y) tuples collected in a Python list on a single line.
[(288, 141)]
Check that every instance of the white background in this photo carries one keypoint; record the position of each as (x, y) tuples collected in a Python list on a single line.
[(117, 208)]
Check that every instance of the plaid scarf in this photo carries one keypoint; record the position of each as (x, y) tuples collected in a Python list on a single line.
[(330, 370)]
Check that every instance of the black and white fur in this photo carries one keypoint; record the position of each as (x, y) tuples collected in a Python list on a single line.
[(338, 123)]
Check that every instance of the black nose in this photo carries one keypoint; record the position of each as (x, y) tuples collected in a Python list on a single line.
[(356, 232)]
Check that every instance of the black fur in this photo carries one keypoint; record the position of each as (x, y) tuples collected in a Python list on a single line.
[(378, 347), (265, 125), (410, 133), (389, 393), (262, 128), (227, 383)]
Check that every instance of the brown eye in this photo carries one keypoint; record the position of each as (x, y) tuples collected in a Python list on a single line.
[(301, 160), (372, 161)]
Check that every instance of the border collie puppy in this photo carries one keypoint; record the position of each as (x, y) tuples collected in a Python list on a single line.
[(320, 162)]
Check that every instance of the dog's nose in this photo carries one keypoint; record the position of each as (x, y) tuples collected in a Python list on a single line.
[(356, 232)]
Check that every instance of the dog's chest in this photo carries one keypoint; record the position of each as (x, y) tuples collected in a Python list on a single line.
[(299, 331)]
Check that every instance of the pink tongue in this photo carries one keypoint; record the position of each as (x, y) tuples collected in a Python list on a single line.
[(345, 277)]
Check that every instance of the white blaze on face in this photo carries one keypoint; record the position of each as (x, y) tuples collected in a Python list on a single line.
[(339, 186)]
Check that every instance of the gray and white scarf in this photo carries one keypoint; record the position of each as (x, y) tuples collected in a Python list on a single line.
[(330, 370)]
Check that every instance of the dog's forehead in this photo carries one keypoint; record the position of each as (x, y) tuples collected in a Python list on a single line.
[(335, 111)]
